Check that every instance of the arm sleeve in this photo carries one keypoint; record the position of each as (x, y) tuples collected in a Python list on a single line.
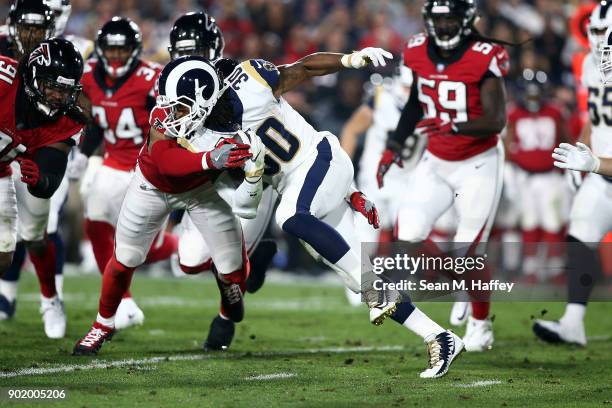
[(91, 140), (174, 161), (411, 115), (52, 165)]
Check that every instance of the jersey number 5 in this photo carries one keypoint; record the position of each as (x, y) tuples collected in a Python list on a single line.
[(8, 150), (444, 99), (281, 145), (126, 125)]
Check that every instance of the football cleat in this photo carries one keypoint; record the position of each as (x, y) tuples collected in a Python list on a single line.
[(560, 332), (7, 308), (220, 335), (93, 340), (128, 314), (232, 299), (442, 349), (460, 313), (260, 261), (53, 317), (478, 335), (379, 311)]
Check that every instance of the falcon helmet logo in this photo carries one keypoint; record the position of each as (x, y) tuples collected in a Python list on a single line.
[(41, 55)]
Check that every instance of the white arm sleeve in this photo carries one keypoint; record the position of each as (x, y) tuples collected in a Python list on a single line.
[(247, 198)]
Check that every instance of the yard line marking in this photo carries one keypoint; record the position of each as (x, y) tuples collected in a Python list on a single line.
[(483, 383), (265, 377), (102, 364)]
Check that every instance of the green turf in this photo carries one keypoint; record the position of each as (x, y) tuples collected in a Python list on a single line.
[(307, 332)]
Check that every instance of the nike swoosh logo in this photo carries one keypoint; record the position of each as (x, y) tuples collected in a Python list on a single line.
[(254, 159)]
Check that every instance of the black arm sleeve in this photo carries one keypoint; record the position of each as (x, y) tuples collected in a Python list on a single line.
[(52, 165), (411, 115), (92, 138)]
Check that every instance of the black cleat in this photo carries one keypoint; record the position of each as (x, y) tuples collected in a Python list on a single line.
[(93, 340), (232, 298), (260, 261), (220, 335)]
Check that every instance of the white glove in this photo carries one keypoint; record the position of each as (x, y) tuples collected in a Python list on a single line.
[(94, 163), (359, 59), (579, 158), (254, 167), (76, 165)]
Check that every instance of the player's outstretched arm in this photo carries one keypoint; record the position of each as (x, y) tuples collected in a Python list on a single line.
[(581, 158), (493, 118), (45, 171), (357, 124), (323, 63)]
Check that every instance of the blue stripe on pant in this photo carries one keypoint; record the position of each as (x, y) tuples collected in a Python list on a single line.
[(319, 235)]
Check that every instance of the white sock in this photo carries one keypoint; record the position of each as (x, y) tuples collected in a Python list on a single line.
[(574, 313), (59, 285), (8, 289), (420, 324), (349, 269), (110, 322)]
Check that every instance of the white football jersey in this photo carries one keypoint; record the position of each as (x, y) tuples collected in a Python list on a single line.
[(600, 107), (288, 137)]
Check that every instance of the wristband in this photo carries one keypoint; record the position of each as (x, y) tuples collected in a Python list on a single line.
[(346, 60)]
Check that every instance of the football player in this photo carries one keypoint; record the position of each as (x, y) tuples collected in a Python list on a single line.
[(197, 33), (39, 125), (458, 100), (591, 214), (171, 175), (8, 284), (119, 86), (535, 127), (313, 176)]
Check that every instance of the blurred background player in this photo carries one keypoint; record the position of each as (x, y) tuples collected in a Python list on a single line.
[(535, 127), (458, 100), (377, 117), (40, 124), (591, 214), (120, 89)]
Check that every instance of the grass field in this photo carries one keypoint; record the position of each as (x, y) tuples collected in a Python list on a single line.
[(300, 345)]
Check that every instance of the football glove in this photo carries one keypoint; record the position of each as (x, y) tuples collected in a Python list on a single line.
[(254, 167), (436, 127), (388, 158), (359, 59), (359, 202), (227, 155), (30, 174), (579, 157)]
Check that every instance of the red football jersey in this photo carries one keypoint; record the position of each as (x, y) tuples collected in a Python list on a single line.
[(172, 185), (25, 142), (450, 90), (121, 110), (535, 136)]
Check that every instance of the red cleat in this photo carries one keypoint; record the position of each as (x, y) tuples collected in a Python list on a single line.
[(93, 340)]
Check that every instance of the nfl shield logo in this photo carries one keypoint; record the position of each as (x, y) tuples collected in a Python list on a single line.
[(440, 67)]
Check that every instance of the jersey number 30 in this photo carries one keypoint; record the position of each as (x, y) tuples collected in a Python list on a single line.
[(281, 145)]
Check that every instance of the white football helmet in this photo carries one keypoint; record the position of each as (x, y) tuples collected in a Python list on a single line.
[(601, 19), (605, 57), (61, 9), (189, 87)]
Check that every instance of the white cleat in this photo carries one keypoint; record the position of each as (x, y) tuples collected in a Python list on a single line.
[(128, 314), (442, 349), (53, 317), (379, 312), (460, 313), (560, 332), (478, 335)]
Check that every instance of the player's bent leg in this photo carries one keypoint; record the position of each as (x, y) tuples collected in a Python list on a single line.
[(8, 239)]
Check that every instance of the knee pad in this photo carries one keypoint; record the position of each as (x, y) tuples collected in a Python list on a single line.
[(129, 256)]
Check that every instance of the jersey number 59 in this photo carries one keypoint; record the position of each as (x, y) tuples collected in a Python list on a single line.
[(444, 99)]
